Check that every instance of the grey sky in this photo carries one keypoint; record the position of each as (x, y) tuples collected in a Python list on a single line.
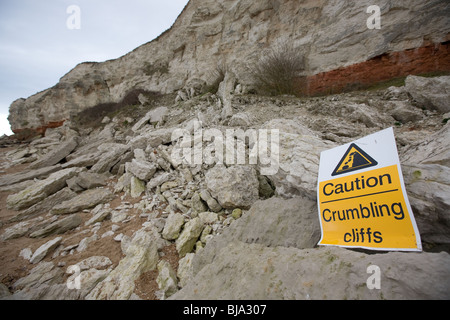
[(37, 48)]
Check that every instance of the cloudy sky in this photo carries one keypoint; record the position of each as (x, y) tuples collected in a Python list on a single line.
[(40, 41)]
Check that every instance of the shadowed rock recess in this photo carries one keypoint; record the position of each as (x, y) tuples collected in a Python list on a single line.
[(118, 193)]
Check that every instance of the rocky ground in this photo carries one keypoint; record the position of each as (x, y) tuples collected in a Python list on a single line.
[(108, 212)]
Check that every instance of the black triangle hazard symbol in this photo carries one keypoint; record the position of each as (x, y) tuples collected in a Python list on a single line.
[(354, 159)]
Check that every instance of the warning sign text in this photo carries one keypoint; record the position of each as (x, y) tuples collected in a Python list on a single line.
[(366, 209)]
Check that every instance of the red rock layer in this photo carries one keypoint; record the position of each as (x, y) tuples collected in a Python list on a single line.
[(385, 67), (41, 130)]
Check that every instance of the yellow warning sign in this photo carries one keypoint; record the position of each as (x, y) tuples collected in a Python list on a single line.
[(354, 159), (362, 199), (366, 209)]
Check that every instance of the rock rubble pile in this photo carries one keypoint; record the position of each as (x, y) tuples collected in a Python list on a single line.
[(111, 212)]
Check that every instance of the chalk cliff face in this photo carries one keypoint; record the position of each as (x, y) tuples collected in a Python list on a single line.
[(338, 48)]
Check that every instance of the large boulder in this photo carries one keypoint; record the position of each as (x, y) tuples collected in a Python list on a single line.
[(294, 171), (189, 236), (234, 187), (45, 249), (431, 93), (167, 278), (137, 187), (89, 180), (429, 149), (256, 272), (45, 282), (57, 154), (110, 158), (426, 170), (44, 272), (45, 205), (86, 200), (58, 227), (279, 222), (13, 178), (19, 229), (428, 187), (141, 169), (172, 228), (154, 117), (40, 190), (273, 222), (153, 138), (141, 256)]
